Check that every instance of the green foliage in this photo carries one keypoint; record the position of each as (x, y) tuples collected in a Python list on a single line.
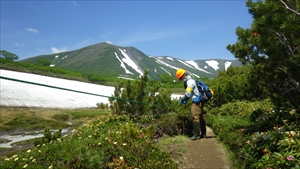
[(7, 55), (136, 98), (235, 84), (105, 142), (165, 78), (48, 137), (271, 45), (259, 135), (61, 117), (43, 62), (32, 123)]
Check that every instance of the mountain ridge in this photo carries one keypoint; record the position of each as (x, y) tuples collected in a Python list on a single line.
[(129, 62)]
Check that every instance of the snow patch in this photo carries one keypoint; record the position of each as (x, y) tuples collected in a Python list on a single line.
[(123, 65), (121, 77), (166, 71), (52, 65), (227, 64), (56, 56), (185, 63), (214, 64), (196, 66), (64, 57), (130, 63), (164, 63), (18, 94), (170, 58)]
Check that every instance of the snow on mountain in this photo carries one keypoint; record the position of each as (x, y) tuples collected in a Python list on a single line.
[(227, 64), (214, 64), (185, 63), (122, 64), (164, 63), (196, 66), (131, 63), (166, 71), (170, 58)]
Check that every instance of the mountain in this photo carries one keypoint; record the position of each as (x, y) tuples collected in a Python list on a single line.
[(129, 62)]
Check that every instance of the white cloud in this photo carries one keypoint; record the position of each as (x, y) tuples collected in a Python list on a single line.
[(19, 44), (32, 30), (55, 50), (109, 42)]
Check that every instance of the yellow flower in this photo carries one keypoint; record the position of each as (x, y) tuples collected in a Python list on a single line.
[(25, 166), (6, 159), (39, 151), (121, 158), (16, 159), (33, 160), (50, 167), (28, 151), (115, 142)]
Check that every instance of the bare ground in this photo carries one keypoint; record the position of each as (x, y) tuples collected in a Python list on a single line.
[(206, 153)]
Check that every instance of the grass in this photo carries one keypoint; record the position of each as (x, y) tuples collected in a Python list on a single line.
[(20, 120), (175, 146), (12, 118)]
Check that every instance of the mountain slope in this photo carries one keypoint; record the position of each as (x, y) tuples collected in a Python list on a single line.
[(117, 61)]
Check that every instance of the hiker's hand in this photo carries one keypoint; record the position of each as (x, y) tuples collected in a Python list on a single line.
[(182, 101)]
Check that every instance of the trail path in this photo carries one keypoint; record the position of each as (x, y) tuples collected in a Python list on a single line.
[(205, 153)]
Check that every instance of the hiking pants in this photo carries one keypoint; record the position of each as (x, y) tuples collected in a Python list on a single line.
[(197, 112)]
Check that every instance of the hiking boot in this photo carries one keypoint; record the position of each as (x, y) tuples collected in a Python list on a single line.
[(196, 128), (203, 136), (195, 137), (203, 129)]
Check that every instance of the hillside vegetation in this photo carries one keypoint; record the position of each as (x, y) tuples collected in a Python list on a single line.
[(255, 111)]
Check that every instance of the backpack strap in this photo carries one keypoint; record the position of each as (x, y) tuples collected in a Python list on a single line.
[(185, 84)]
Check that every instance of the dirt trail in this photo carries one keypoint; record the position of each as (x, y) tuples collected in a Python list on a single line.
[(205, 153)]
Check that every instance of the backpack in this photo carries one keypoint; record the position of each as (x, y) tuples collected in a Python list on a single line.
[(205, 93)]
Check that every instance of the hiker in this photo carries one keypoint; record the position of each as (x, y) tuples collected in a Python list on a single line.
[(191, 91)]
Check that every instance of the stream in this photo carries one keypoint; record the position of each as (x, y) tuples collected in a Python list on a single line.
[(12, 137)]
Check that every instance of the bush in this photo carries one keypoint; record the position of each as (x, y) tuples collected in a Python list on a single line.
[(259, 135), (105, 142)]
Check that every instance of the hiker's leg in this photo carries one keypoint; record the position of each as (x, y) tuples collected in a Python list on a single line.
[(196, 120), (202, 121)]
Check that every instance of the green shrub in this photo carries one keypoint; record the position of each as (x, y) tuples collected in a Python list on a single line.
[(105, 142), (61, 117), (259, 135)]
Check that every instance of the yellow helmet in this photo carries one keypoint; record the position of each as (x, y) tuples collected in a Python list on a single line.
[(179, 73)]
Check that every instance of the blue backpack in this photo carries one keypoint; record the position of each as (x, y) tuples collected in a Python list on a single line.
[(206, 93)]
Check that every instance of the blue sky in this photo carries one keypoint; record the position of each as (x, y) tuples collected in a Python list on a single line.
[(189, 30)]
